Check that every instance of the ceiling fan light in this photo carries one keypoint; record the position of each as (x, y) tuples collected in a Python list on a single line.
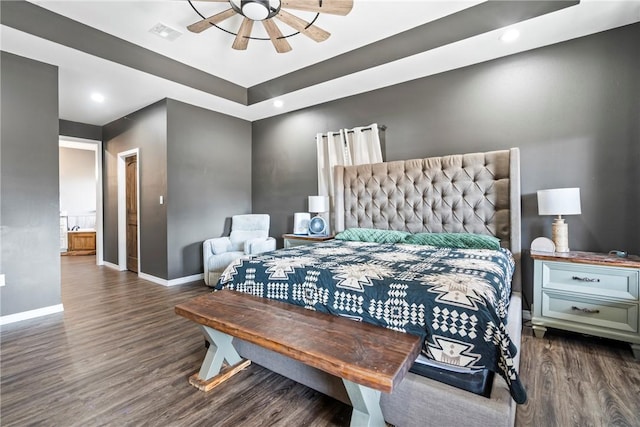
[(255, 10)]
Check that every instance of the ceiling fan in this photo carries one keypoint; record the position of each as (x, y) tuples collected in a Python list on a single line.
[(265, 11)]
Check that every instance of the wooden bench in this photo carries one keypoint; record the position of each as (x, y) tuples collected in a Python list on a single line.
[(369, 359)]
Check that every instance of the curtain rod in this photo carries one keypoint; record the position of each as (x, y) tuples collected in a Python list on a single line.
[(380, 127)]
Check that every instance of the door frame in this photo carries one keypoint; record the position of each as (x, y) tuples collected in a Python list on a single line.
[(96, 147), (122, 206)]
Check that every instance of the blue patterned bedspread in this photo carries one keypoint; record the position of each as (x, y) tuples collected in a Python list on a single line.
[(456, 299)]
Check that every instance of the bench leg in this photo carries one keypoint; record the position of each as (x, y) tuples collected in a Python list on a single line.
[(221, 350), (366, 405)]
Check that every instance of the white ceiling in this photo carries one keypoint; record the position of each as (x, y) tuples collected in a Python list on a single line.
[(127, 89)]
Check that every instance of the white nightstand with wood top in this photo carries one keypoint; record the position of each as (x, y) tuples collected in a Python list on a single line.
[(291, 240), (587, 292)]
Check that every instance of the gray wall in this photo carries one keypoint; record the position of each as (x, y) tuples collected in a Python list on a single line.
[(199, 161), (209, 180), (80, 130), (572, 108), (145, 129), (29, 211)]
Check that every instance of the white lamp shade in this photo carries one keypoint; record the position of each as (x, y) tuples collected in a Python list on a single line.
[(559, 201), (318, 204)]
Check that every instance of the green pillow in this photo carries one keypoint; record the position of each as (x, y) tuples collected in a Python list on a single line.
[(454, 240), (372, 235)]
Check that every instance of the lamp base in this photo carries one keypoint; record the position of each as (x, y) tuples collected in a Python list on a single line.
[(560, 235)]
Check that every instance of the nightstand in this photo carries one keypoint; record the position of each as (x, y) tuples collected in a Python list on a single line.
[(589, 293), (291, 240)]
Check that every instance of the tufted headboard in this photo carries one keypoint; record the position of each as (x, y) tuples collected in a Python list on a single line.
[(471, 193)]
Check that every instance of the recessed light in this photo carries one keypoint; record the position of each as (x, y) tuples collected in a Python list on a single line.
[(510, 35), (97, 97), (278, 103)]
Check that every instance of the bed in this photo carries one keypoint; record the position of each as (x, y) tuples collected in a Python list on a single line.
[(476, 194)]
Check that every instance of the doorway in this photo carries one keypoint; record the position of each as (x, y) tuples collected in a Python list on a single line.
[(96, 222), (131, 189), (128, 211)]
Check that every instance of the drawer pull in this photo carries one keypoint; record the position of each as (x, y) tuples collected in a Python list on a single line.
[(585, 279), (585, 310)]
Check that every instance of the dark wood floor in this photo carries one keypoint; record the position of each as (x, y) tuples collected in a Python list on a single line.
[(118, 355), (577, 380)]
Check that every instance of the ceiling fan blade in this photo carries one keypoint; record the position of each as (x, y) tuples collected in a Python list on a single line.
[(242, 38), (312, 31), (333, 7), (281, 44), (200, 26)]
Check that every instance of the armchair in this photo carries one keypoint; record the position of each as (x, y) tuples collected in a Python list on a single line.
[(249, 235)]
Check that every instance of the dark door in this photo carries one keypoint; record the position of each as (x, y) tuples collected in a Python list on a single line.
[(132, 212)]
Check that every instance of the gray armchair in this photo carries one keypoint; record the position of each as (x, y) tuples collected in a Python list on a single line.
[(249, 235)]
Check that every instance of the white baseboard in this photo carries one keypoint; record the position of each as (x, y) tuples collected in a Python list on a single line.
[(31, 314), (154, 279), (172, 282), (186, 279), (158, 280), (111, 265), (526, 315)]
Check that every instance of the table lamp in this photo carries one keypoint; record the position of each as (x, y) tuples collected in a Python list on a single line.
[(559, 201), (317, 224)]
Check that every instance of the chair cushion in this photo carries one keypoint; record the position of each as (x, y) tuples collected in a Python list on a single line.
[(220, 245), (259, 245), (250, 222), (238, 237)]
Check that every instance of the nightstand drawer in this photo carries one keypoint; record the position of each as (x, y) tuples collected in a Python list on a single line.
[(592, 280), (611, 315)]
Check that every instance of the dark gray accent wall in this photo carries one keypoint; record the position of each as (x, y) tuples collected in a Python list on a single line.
[(80, 130), (145, 129), (209, 180), (572, 108), (29, 207)]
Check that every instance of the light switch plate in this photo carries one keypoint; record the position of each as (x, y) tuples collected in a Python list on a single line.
[(2, 282)]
